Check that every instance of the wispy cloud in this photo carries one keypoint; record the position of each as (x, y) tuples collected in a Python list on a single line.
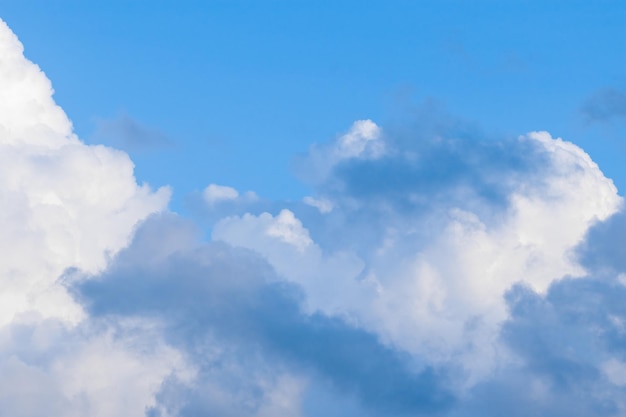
[(128, 134), (605, 105)]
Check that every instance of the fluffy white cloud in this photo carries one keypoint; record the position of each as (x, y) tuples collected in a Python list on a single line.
[(29, 115), (430, 275), (64, 205), (214, 193), (438, 292), (87, 370), (222, 198), (362, 141), (286, 244)]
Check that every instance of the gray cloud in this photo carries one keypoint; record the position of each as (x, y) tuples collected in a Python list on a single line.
[(555, 367), (433, 162), (212, 295), (242, 325), (570, 341), (604, 249), (231, 297)]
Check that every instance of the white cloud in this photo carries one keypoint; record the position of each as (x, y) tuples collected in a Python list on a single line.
[(50, 368), (64, 205), (282, 398), (112, 380), (615, 371), (214, 193), (28, 115), (425, 269), (322, 204), (287, 228), (364, 140), (444, 299), (328, 279)]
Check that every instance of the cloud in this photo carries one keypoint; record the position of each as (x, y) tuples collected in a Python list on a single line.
[(605, 105), (437, 271), (126, 133), (424, 241), (29, 115), (91, 369), (362, 142), (222, 304), (65, 205), (216, 201), (214, 193), (434, 319), (603, 250), (569, 344), (324, 206)]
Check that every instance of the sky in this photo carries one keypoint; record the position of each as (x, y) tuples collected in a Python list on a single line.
[(312, 209)]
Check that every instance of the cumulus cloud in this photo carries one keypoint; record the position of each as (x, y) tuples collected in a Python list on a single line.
[(424, 241), (244, 328), (216, 201), (435, 272), (435, 319), (570, 349), (92, 369), (362, 141), (214, 193), (65, 205)]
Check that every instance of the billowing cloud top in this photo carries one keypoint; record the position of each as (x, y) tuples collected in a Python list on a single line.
[(64, 205), (429, 273)]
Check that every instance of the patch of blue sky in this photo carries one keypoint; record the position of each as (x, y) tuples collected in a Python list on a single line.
[(240, 87)]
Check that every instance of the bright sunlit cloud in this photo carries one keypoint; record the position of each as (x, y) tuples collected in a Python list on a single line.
[(430, 270)]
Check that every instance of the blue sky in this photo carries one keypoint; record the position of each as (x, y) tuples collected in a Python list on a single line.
[(312, 209), (232, 82)]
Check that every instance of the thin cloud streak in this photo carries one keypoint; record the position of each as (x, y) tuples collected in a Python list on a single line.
[(128, 134)]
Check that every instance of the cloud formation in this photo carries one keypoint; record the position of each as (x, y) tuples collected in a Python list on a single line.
[(437, 229), (65, 205), (128, 134), (605, 105), (431, 272), (218, 298)]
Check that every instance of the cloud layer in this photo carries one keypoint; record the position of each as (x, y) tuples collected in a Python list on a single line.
[(432, 271)]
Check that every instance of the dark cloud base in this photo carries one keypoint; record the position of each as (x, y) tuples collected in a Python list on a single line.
[(230, 296), (215, 294)]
